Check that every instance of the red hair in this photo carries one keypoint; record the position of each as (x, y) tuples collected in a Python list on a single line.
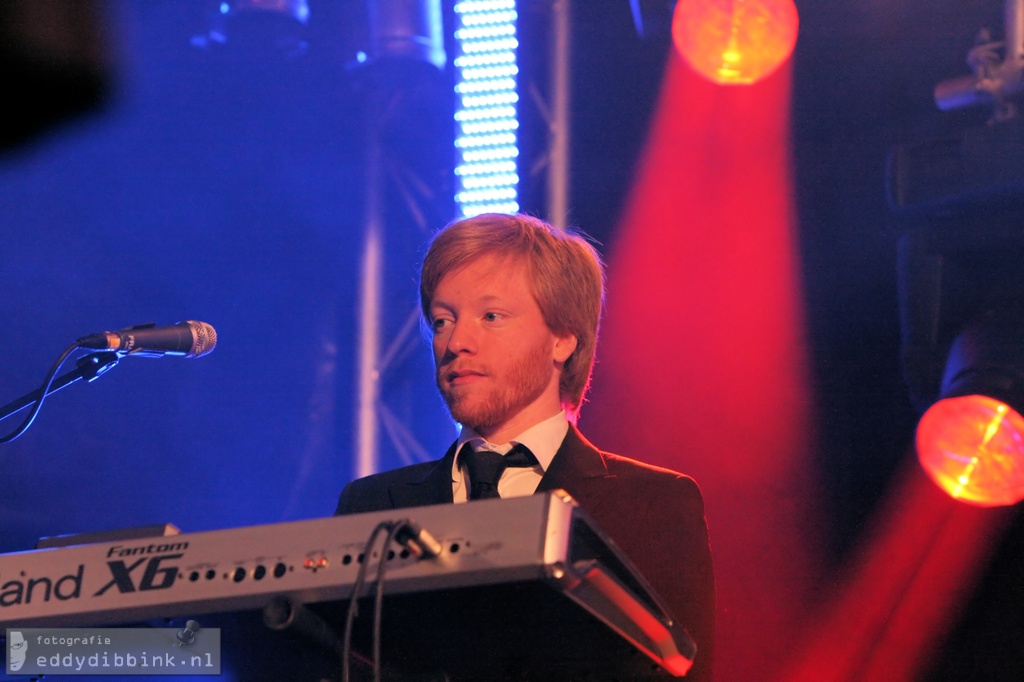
[(565, 271)]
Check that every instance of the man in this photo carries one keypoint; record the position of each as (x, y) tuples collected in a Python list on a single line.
[(513, 306), (19, 650)]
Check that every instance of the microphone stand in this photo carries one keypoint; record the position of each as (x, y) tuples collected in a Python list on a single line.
[(90, 367)]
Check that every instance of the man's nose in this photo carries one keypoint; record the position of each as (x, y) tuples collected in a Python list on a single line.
[(463, 338)]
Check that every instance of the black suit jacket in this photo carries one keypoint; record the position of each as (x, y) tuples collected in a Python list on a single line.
[(654, 515)]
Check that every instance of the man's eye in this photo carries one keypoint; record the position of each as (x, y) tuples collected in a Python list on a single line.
[(492, 317), (439, 323)]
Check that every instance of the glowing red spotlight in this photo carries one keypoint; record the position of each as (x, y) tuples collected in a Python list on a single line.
[(735, 42), (973, 448)]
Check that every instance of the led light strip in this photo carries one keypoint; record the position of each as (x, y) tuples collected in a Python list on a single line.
[(486, 141)]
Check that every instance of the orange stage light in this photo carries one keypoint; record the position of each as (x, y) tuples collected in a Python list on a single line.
[(973, 448), (735, 42)]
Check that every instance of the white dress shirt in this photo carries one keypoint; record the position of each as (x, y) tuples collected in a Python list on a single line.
[(542, 439)]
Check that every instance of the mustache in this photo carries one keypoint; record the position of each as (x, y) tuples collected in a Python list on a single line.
[(448, 372)]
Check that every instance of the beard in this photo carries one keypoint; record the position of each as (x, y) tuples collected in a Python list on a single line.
[(480, 408)]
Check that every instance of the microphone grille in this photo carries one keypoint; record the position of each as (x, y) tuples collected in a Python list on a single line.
[(204, 339)]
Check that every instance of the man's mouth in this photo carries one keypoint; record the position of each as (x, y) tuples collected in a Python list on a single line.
[(462, 376)]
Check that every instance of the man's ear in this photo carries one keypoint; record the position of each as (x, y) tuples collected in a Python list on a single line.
[(564, 347)]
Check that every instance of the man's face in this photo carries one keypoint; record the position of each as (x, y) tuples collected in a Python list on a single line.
[(498, 364), (19, 649)]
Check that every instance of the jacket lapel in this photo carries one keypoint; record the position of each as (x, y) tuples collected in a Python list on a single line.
[(579, 469), (434, 488)]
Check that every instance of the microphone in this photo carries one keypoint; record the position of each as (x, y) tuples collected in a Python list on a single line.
[(190, 339)]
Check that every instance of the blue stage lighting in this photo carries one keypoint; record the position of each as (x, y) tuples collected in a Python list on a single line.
[(486, 141)]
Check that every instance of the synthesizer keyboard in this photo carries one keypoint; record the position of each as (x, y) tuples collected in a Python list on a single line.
[(544, 539)]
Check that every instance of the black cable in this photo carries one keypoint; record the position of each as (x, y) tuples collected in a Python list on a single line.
[(395, 529), (378, 605), (353, 604), (42, 396)]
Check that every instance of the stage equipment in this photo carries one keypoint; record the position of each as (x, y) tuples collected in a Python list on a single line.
[(187, 339), (486, 114), (961, 283), (735, 42), (994, 81), (962, 318), (271, 26), (529, 585), (407, 30), (972, 447), (962, 314), (407, 113)]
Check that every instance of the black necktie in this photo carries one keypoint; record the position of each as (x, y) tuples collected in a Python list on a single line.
[(486, 467)]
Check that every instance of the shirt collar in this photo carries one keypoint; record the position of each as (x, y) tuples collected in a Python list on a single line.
[(543, 440)]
